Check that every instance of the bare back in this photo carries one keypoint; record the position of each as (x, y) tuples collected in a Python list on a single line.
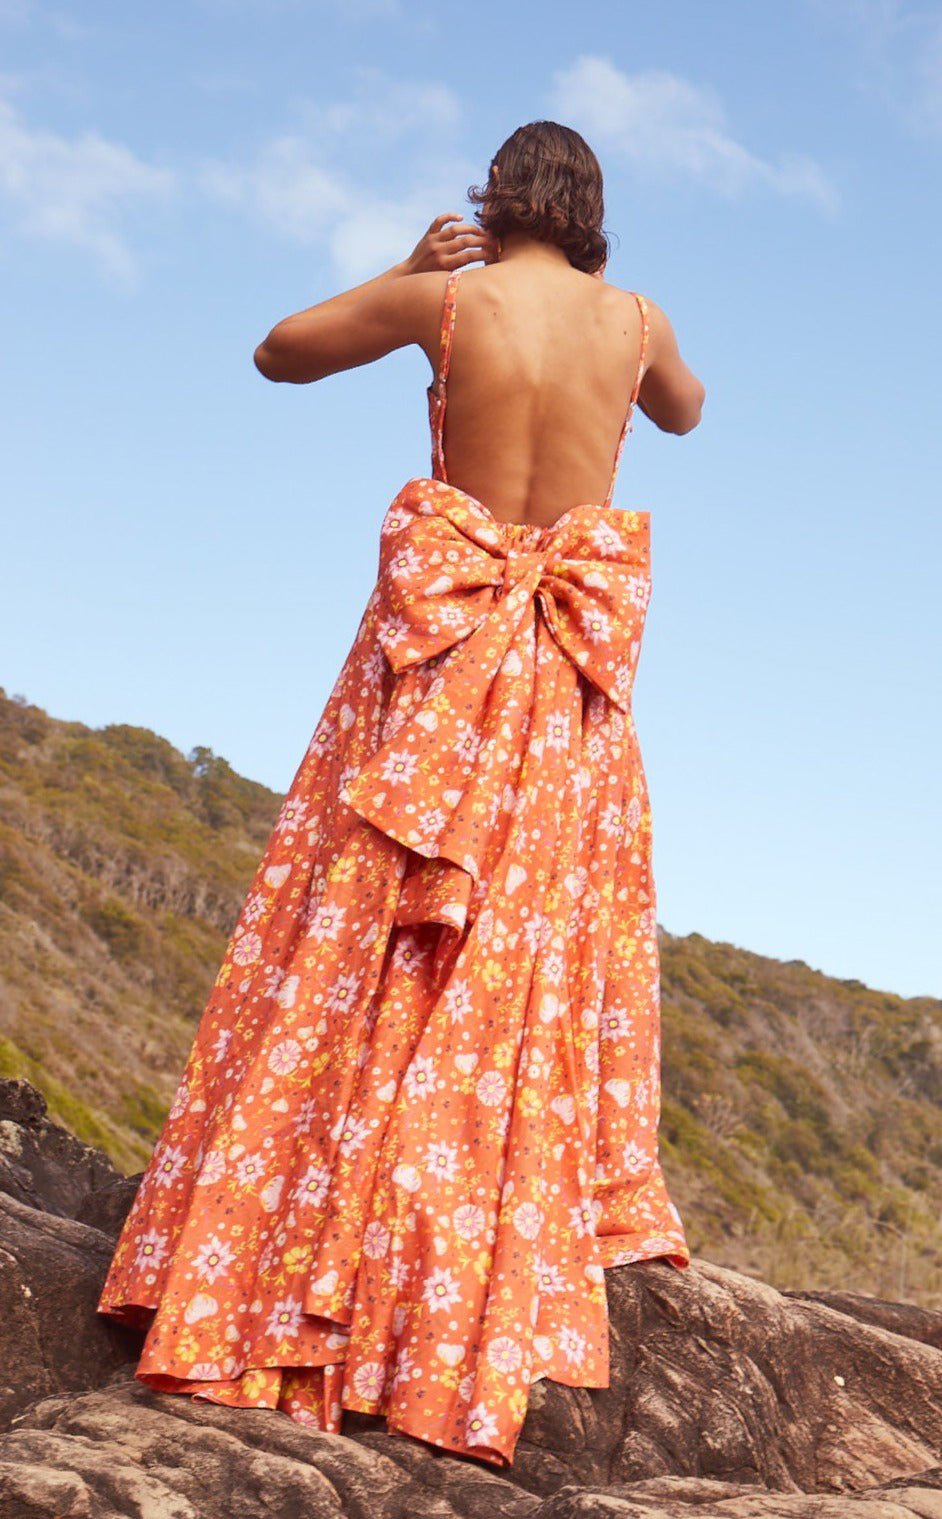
[(543, 366)]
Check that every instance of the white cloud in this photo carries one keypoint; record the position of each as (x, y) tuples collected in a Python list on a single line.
[(74, 189), (315, 186), (662, 123), (896, 50), (387, 109), (295, 191)]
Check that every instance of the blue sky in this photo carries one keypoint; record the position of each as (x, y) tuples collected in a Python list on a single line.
[(189, 548)]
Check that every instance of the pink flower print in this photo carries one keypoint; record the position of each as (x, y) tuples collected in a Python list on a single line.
[(369, 1380), (572, 1344), (459, 1001), (288, 991), (151, 1251), (353, 1135), (250, 1170), (441, 1160), (596, 626), (615, 1023), (326, 923), (634, 1158), (376, 1239), (399, 766), (313, 1186), (549, 1278), (441, 1289), (419, 1080), (528, 1220), (293, 812), (468, 1221), (213, 1258), (285, 1318), (639, 589), (211, 1170), (557, 730), (172, 1163), (285, 1057), (342, 993), (505, 1354), (491, 1089), (582, 1219), (247, 949), (480, 1426)]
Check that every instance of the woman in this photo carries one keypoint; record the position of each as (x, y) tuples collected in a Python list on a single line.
[(419, 1119)]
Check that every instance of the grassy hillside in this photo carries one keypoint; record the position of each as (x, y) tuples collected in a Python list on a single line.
[(802, 1115)]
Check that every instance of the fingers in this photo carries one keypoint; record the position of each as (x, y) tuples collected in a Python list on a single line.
[(467, 256), (462, 229), (442, 218)]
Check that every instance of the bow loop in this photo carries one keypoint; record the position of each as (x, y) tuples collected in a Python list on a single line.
[(446, 565)]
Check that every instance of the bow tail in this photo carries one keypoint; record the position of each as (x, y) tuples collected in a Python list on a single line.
[(438, 784)]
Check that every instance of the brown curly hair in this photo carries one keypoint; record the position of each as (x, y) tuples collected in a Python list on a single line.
[(546, 181)]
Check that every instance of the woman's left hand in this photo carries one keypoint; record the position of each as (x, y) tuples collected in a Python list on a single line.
[(446, 246)]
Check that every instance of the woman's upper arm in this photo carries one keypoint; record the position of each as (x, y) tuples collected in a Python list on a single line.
[(356, 327), (671, 394)]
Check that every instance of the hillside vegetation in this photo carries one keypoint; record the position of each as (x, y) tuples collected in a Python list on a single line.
[(802, 1115)]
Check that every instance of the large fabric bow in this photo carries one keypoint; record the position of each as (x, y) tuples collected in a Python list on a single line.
[(446, 564)]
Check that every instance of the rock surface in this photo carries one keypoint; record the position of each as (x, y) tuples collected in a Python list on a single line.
[(727, 1397)]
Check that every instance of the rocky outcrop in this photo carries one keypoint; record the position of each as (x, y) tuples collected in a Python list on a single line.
[(727, 1397)]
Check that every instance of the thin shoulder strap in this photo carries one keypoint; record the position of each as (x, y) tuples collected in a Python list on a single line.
[(447, 330), (628, 425), (438, 391)]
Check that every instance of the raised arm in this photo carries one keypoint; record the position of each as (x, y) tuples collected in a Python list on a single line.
[(397, 307), (670, 394)]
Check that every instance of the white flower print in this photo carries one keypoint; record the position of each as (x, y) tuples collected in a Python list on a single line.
[(441, 1288), (420, 1079), (468, 1221), (615, 1023), (491, 1089), (572, 1344), (342, 993), (287, 991), (480, 1426), (441, 1160), (326, 922), (634, 1158), (369, 1380), (213, 1258), (311, 1189), (212, 1170), (247, 949), (527, 1220), (639, 589), (353, 1135), (549, 1278), (293, 812), (399, 766), (402, 1370), (171, 1165), (581, 1219), (459, 1001), (376, 1239), (596, 626), (250, 1170), (151, 1251), (285, 1057), (285, 1318), (504, 1353)]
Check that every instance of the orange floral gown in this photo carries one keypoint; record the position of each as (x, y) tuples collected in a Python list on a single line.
[(420, 1114)]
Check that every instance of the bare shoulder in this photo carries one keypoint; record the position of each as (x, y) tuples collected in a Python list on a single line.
[(671, 394)]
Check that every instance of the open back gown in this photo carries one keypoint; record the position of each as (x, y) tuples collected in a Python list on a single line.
[(420, 1114)]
